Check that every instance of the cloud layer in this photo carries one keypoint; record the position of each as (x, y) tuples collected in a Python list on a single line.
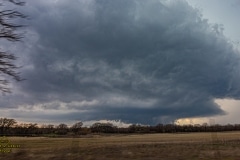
[(138, 61)]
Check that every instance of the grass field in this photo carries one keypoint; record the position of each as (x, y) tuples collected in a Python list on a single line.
[(187, 146)]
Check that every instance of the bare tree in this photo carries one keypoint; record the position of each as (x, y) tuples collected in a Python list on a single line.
[(6, 123), (76, 127), (8, 31), (62, 129), (62, 126), (103, 127)]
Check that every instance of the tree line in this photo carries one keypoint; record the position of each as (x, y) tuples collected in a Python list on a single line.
[(10, 127)]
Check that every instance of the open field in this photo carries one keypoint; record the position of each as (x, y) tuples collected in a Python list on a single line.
[(187, 146)]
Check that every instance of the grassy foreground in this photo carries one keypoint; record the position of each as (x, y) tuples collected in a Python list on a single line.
[(187, 146)]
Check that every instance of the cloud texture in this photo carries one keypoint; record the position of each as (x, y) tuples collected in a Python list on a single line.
[(135, 60)]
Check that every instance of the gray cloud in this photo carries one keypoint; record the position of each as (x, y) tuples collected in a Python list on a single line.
[(138, 61)]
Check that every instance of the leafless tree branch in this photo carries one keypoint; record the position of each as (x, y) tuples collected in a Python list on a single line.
[(8, 31)]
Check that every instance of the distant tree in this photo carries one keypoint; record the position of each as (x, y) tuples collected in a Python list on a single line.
[(237, 127), (29, 128), (33, 128), (76, 127), (170, 128), (46, 129), (62, 129), (204, 126), (6, 123), (160, 128), (8, 31), (138, 128), (103, 127), (50, 126), (32, 125), (134, 128), (62, 126)]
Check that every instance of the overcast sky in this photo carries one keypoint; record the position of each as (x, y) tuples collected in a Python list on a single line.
[(137, 61)]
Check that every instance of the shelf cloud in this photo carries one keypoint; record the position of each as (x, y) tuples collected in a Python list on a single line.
[(134, 60)]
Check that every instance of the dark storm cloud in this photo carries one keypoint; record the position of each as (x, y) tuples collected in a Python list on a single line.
[(135, 60)]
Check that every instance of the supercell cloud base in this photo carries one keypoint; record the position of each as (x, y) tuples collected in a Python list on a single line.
[(132, 60)]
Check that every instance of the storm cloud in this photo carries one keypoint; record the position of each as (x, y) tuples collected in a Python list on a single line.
[(134, 60)]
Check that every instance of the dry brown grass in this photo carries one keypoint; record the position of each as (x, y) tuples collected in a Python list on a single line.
[(191, 146)]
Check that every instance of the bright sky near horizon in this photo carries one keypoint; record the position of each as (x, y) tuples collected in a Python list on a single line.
[(136, 61)]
